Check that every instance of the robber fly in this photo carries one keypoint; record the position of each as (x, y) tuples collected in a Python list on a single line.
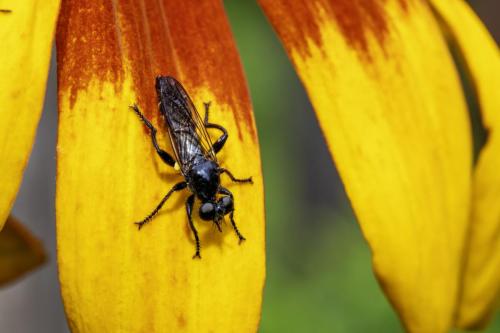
[(195, 155)]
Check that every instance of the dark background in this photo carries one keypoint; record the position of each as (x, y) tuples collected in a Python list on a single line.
[(319, 276)]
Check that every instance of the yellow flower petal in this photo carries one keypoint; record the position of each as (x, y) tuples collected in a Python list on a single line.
[(390, 105), (26, 34), (115, 278), (20, 252), (481, 282)]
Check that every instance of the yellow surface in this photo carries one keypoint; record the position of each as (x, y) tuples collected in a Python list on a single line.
[(482, 271), (397, 126), (115, 278), (25, 42), (20, 252)]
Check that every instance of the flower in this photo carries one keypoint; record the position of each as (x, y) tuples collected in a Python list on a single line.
[(20, 252), (388, 98), (389, 101), (112, 276)]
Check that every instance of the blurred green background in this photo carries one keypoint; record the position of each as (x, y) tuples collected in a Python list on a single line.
[(319, 276)]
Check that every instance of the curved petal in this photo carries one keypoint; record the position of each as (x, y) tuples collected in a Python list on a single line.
[(481, 281), (26, 32), (113, 277), (20, 252), (390, 105)]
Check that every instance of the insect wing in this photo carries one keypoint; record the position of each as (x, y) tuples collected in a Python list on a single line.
[(199, 124), (187, 131)]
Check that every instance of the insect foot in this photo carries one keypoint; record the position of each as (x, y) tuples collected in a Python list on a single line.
[(140, 224)]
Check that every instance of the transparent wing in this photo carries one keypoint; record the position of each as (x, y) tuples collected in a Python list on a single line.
[(199, 124), (186, 128)]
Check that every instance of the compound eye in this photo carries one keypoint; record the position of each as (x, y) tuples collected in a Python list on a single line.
[(226, 203), (207, 211)]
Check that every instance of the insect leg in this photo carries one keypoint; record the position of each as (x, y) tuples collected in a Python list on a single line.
[(163, 154), (177, 187), (189, 209), (234, 179), (225, 191), (217, 146), (207, 107)]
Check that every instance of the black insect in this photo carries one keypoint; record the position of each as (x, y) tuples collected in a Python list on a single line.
[(195, 155)]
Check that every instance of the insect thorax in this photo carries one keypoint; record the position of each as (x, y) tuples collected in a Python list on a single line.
[(203, 179)]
